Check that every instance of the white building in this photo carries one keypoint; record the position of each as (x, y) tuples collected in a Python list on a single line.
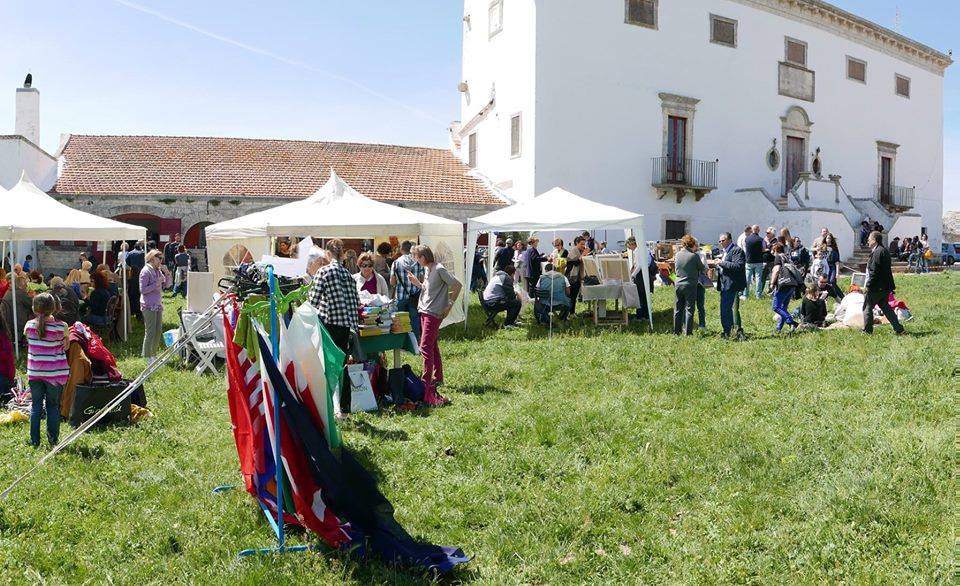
[(706, 115)]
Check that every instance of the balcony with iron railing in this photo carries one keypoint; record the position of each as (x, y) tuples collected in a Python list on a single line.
[(684, 176), (895, 197)]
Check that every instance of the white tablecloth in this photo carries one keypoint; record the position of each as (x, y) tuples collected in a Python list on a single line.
[(627, 292)]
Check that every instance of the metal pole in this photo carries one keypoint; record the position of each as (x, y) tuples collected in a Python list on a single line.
[(126, 298), (13, 287), (275, 344)]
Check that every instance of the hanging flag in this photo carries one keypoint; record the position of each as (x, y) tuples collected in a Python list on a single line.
[(350, 490), (303, 346), (307, 496), (245, 399)]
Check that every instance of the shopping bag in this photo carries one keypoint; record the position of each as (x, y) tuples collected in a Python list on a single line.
[(89, 399), (361, 391)]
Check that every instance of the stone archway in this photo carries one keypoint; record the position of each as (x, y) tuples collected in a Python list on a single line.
[(796, 130)]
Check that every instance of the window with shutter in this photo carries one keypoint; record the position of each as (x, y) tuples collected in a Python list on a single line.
[(796, 52), (642, 12), (472, 151), (856, 69), (515, 135), (496, 17), (723, 31), (903, 86)]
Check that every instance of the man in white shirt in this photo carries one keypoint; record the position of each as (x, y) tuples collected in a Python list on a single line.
[(742, 239)]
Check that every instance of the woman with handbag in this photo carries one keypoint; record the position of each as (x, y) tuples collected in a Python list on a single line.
[(784, 279)]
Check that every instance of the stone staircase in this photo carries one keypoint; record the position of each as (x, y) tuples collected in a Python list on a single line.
[(861, 255)]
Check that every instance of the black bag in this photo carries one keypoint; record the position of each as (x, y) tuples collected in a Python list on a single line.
[(789, 275), (89, 399)]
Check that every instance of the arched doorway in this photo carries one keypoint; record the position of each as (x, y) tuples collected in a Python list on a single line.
[(796, 127), (148, 221), (195, 236)]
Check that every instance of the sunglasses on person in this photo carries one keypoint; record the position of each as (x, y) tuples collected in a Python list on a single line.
[(366, 265)]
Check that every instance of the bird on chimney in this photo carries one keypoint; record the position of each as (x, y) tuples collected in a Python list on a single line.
[(28, 82)]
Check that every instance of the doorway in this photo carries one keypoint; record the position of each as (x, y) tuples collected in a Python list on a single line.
[(794, 162)]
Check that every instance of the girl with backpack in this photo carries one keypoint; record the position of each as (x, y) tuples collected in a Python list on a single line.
[(784, 280)]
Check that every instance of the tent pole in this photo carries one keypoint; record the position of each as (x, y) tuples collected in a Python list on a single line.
[(126, 298), (16, 330)]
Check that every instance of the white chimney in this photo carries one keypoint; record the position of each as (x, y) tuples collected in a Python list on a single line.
[(28, 113)]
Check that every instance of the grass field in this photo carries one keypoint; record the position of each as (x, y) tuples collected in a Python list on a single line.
[(593, 457)]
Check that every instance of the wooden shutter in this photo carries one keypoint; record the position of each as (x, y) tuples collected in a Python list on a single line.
[(796, 52), (903, 86), (515, 136), (856, 69), (472, 150), (724, 31), (642, 12)]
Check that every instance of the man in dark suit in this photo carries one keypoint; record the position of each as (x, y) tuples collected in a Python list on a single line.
[(879, 285), (732, 280)]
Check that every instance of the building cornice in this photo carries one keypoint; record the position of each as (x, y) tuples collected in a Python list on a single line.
[(827, 17)]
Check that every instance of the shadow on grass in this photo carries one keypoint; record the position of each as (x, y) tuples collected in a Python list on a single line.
[(85, 452), (482, 390), (375, 432)]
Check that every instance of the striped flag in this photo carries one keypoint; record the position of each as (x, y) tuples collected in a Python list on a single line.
[(247, 415)]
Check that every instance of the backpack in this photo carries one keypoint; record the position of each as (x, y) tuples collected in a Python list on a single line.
[(789, 275)]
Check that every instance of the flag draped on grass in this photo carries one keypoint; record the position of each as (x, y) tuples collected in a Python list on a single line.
[(348, 489)]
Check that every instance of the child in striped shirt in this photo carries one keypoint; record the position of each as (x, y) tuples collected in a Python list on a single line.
[(47, 368)]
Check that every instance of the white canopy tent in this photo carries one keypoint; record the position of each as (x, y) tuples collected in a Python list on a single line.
[(336, 210), (30, 214), (555, 211)]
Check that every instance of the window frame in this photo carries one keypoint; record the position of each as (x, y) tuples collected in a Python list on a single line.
[(736, 30), (518, 116), (786, 52), (896, 85), (472, 157), (847, 62), (491, 31), (656, 15)]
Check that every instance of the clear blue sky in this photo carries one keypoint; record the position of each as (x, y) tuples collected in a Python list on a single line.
[(371, 71)]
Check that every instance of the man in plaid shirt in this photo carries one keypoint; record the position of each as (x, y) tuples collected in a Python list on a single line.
[(407, 294), (334, 293)]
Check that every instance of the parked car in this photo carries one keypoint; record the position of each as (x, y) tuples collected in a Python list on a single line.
[(950, 252)]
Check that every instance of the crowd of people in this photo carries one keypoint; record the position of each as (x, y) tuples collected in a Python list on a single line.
[(783, 268), (411, 277)]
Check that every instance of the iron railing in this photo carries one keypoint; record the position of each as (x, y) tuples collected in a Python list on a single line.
[(684, 172), (896, 196)]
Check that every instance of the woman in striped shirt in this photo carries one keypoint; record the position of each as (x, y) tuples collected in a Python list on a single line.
[(47, 368)]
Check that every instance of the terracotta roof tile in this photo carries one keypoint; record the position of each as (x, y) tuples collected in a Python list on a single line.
[(172, 165)]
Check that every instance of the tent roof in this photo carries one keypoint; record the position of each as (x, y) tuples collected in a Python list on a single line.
[(31, 214), (335, 210), (557, 209)]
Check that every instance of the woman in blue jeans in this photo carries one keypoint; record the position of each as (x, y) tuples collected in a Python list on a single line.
[(782, 293)]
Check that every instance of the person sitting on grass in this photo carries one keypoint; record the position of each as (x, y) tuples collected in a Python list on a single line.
[(826, 289), (96, 304), (500, 295), (813, 310), (553, 292)]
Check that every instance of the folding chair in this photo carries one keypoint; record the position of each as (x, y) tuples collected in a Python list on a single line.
[(207, 343)]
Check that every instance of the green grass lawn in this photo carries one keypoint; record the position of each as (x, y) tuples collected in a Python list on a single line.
[(606, 456)]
